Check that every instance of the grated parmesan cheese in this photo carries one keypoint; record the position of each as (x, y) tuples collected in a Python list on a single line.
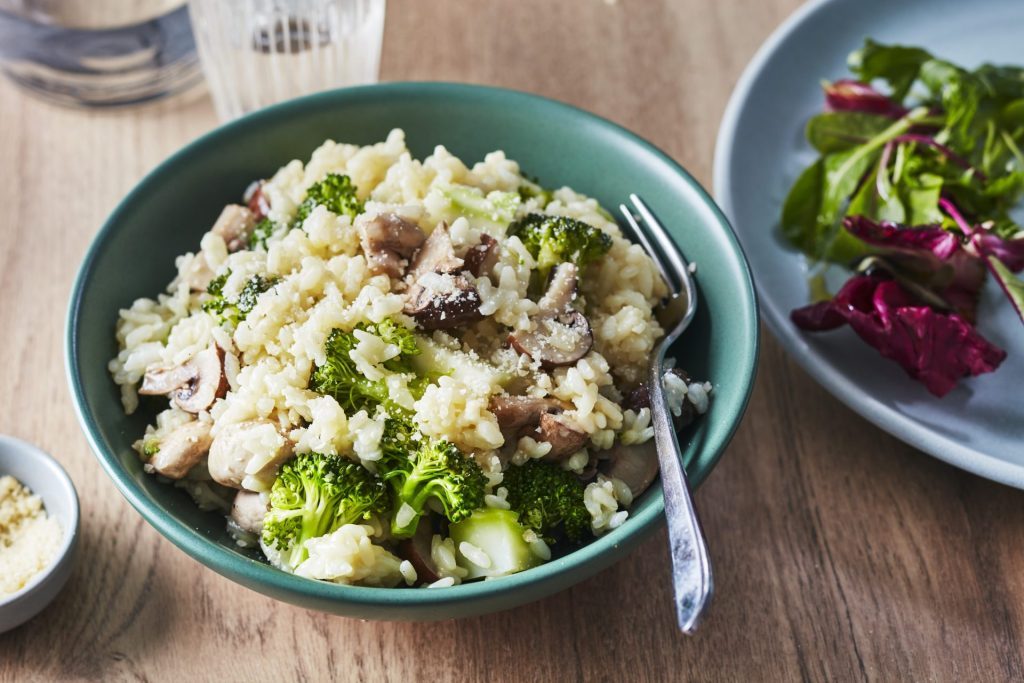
[(29, 539)]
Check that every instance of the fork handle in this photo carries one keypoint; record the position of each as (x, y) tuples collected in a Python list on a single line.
[(691, 566)]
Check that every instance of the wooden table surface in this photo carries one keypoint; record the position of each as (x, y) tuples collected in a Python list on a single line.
[(839, 552)]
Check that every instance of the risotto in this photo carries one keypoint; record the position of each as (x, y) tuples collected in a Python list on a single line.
[(391, 372)]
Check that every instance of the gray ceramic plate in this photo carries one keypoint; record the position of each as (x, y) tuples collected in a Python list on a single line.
[(760, 151), (133, 256)]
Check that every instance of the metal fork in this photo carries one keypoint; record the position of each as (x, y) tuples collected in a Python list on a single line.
[(691, 565)]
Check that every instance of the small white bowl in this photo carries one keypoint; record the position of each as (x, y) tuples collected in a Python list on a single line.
[(48, 480)]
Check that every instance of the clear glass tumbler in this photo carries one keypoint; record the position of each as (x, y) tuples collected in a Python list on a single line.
[(257, 52), (99, 53)]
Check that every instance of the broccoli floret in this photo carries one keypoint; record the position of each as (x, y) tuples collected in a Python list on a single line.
[(339, 377), (500, 536), (314, 495), (497, 207), (217, 303), (216, 286), (400, 438), (235, 311), (532, 188), (335, 192), (250, 293), (546, 498), (263, 231), (419, 469), (556, 239), (150, 447)]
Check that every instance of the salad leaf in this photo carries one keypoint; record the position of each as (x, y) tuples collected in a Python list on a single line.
[(897, 65), (837, 131), (936, 348), (928, 259), (819, 199), (930, 238), (854, 96), (800, 209), (1011, 285), (920, 167)]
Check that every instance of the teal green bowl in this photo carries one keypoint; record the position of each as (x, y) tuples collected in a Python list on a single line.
[(165, 215)]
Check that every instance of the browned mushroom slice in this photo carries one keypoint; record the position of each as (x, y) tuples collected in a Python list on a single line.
[(515, 412), (636, 465), (555, 340), (234, 226), (207, 384), (640, 398), (194, 385), (437, 255), (256, 200), (561, 335), (561, 290), (482, 258), (417, 551), (388, 242), (589, 471), (441, 301), (563, 437), (182, 449), (248, 510), (162, 381)]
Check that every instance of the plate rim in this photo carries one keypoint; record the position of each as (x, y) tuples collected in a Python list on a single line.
[(475, 598), (887, 418)]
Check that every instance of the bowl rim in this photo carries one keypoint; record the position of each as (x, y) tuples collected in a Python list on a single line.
[(44, 460), (304, 591)]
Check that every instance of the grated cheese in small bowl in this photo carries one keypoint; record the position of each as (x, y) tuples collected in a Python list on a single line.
[(29, 538)]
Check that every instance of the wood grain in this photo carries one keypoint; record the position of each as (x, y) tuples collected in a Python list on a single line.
[(840, 553)]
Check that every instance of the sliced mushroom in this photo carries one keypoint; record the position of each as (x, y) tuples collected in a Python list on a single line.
[(162, 381), (193, 386), (561, 290), (516, 412), (256, 200), (555, 340), (437, 255), (482, 258), (248, 510), (234, 226), (563, 437), (635, 465), (230, 458), (389, 241), (439, 296), (441, 301), (640, 398), (561, 335), (416, 550), (182, 449), (587, 474)]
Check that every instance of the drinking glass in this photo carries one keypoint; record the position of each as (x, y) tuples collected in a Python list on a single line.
[(99, 53), (257, 52)]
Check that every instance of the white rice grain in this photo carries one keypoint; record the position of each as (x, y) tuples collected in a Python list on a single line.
[(408, 572), (405, 515), (446, 582), (475, 555)]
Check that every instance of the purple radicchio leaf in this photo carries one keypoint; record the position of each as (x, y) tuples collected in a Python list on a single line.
[(937, 349), (938, 258), (850, 95)]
